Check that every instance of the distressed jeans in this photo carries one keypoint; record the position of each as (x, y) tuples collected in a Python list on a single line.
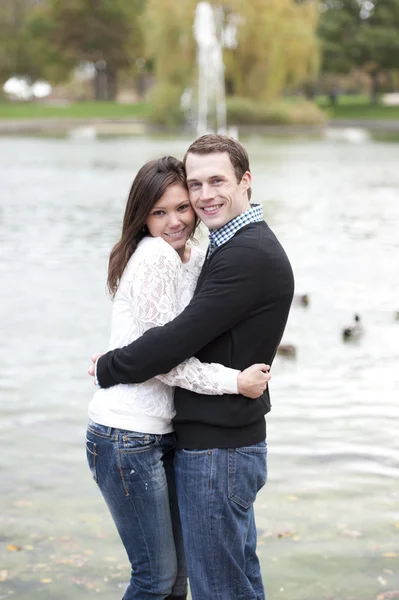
[(216, 490), (135, 474)]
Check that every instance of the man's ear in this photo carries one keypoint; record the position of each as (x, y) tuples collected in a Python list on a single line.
[(246, 181)]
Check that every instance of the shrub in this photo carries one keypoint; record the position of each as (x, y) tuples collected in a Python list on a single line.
[(165, 105), (244, 111)]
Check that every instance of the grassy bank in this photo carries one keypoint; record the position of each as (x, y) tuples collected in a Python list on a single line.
[(357, 107), (347, 107), (75, 110)]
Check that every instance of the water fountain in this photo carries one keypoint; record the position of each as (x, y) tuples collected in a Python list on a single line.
[(211, 112)]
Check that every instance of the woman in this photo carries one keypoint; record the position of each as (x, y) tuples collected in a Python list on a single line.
[(130, 441)]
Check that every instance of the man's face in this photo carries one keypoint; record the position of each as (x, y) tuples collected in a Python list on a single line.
[(214, 192)]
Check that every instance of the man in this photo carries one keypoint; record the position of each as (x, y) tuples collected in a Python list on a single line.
[(236, 317)]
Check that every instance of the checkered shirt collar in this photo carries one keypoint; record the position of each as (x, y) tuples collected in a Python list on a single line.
[(218, 237)]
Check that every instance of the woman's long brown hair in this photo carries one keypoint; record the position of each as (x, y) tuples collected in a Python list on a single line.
[(148, 187)]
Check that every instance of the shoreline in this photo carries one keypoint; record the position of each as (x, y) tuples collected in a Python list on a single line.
[(103, 126)]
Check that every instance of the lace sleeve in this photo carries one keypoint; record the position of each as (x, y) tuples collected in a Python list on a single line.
[(203, 378), (154, 292)]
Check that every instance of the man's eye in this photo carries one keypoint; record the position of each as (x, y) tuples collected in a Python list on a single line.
[(217, 180), (192, 186)]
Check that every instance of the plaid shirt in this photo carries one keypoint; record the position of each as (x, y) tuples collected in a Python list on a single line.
[(218, 237)]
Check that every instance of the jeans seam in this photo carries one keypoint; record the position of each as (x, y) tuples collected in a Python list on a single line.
[(94, 458), (118, 454), (137, 450), (212, 512)]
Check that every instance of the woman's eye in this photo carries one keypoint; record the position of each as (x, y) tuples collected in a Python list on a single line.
[(158, 213), (183, 207)]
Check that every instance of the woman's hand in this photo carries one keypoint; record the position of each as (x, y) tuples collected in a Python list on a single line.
[(253, 381)]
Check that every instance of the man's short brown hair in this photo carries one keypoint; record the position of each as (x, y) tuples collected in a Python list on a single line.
[(215, 142)]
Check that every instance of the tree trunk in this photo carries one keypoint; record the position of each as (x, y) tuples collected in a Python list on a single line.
[(374, 87), (111, 84), (105, 82), (100, 83)]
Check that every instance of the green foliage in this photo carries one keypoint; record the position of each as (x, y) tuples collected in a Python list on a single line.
[(168, 27), (277, 46), (105, 32), (25, 49), (355, 35), (244, 111), (102, 30)]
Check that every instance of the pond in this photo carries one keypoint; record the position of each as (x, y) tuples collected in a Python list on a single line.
[(328, 519)]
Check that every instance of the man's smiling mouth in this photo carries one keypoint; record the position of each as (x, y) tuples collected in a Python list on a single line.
[(208, 210)]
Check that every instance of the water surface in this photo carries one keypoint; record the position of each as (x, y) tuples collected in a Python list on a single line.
[(329, 517)]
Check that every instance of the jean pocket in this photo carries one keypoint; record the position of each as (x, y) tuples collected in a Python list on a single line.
[(132, 442), (195, 451), (247, 473), (92, 453)]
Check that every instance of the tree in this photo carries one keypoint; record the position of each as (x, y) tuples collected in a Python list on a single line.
[(26, 48), (104, 32), (361, 34), (277, 47), (170, 47)]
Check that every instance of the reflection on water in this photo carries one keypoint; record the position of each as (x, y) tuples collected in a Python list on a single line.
[(329, 518)]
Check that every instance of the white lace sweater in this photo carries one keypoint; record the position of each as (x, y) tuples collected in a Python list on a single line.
[(155, 287)]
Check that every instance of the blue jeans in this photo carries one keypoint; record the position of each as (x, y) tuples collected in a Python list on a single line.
[(216, 490), (135, 474)]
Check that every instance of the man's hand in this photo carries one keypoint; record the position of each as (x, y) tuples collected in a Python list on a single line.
[(253, 381), (94, 359)]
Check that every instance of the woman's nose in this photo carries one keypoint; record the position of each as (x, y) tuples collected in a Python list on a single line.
[(174, 220)]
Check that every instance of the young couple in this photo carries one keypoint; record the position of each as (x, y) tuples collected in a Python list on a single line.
[(188, 328)]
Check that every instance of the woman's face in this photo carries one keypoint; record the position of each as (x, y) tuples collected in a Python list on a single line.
[(172, 218)]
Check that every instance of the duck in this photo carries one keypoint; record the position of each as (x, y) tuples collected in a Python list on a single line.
[(354, 331), (288, 350), (302, 299)]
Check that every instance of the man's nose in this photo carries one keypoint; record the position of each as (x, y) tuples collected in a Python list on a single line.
[(206, 192)]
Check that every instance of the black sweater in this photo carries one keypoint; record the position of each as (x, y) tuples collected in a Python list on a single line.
[(236, 317)]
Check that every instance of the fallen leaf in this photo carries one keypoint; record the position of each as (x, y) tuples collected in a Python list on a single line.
[(3, 575), (390, 554), (292, 498), (285, 534), (14, 548), (45, 580)]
